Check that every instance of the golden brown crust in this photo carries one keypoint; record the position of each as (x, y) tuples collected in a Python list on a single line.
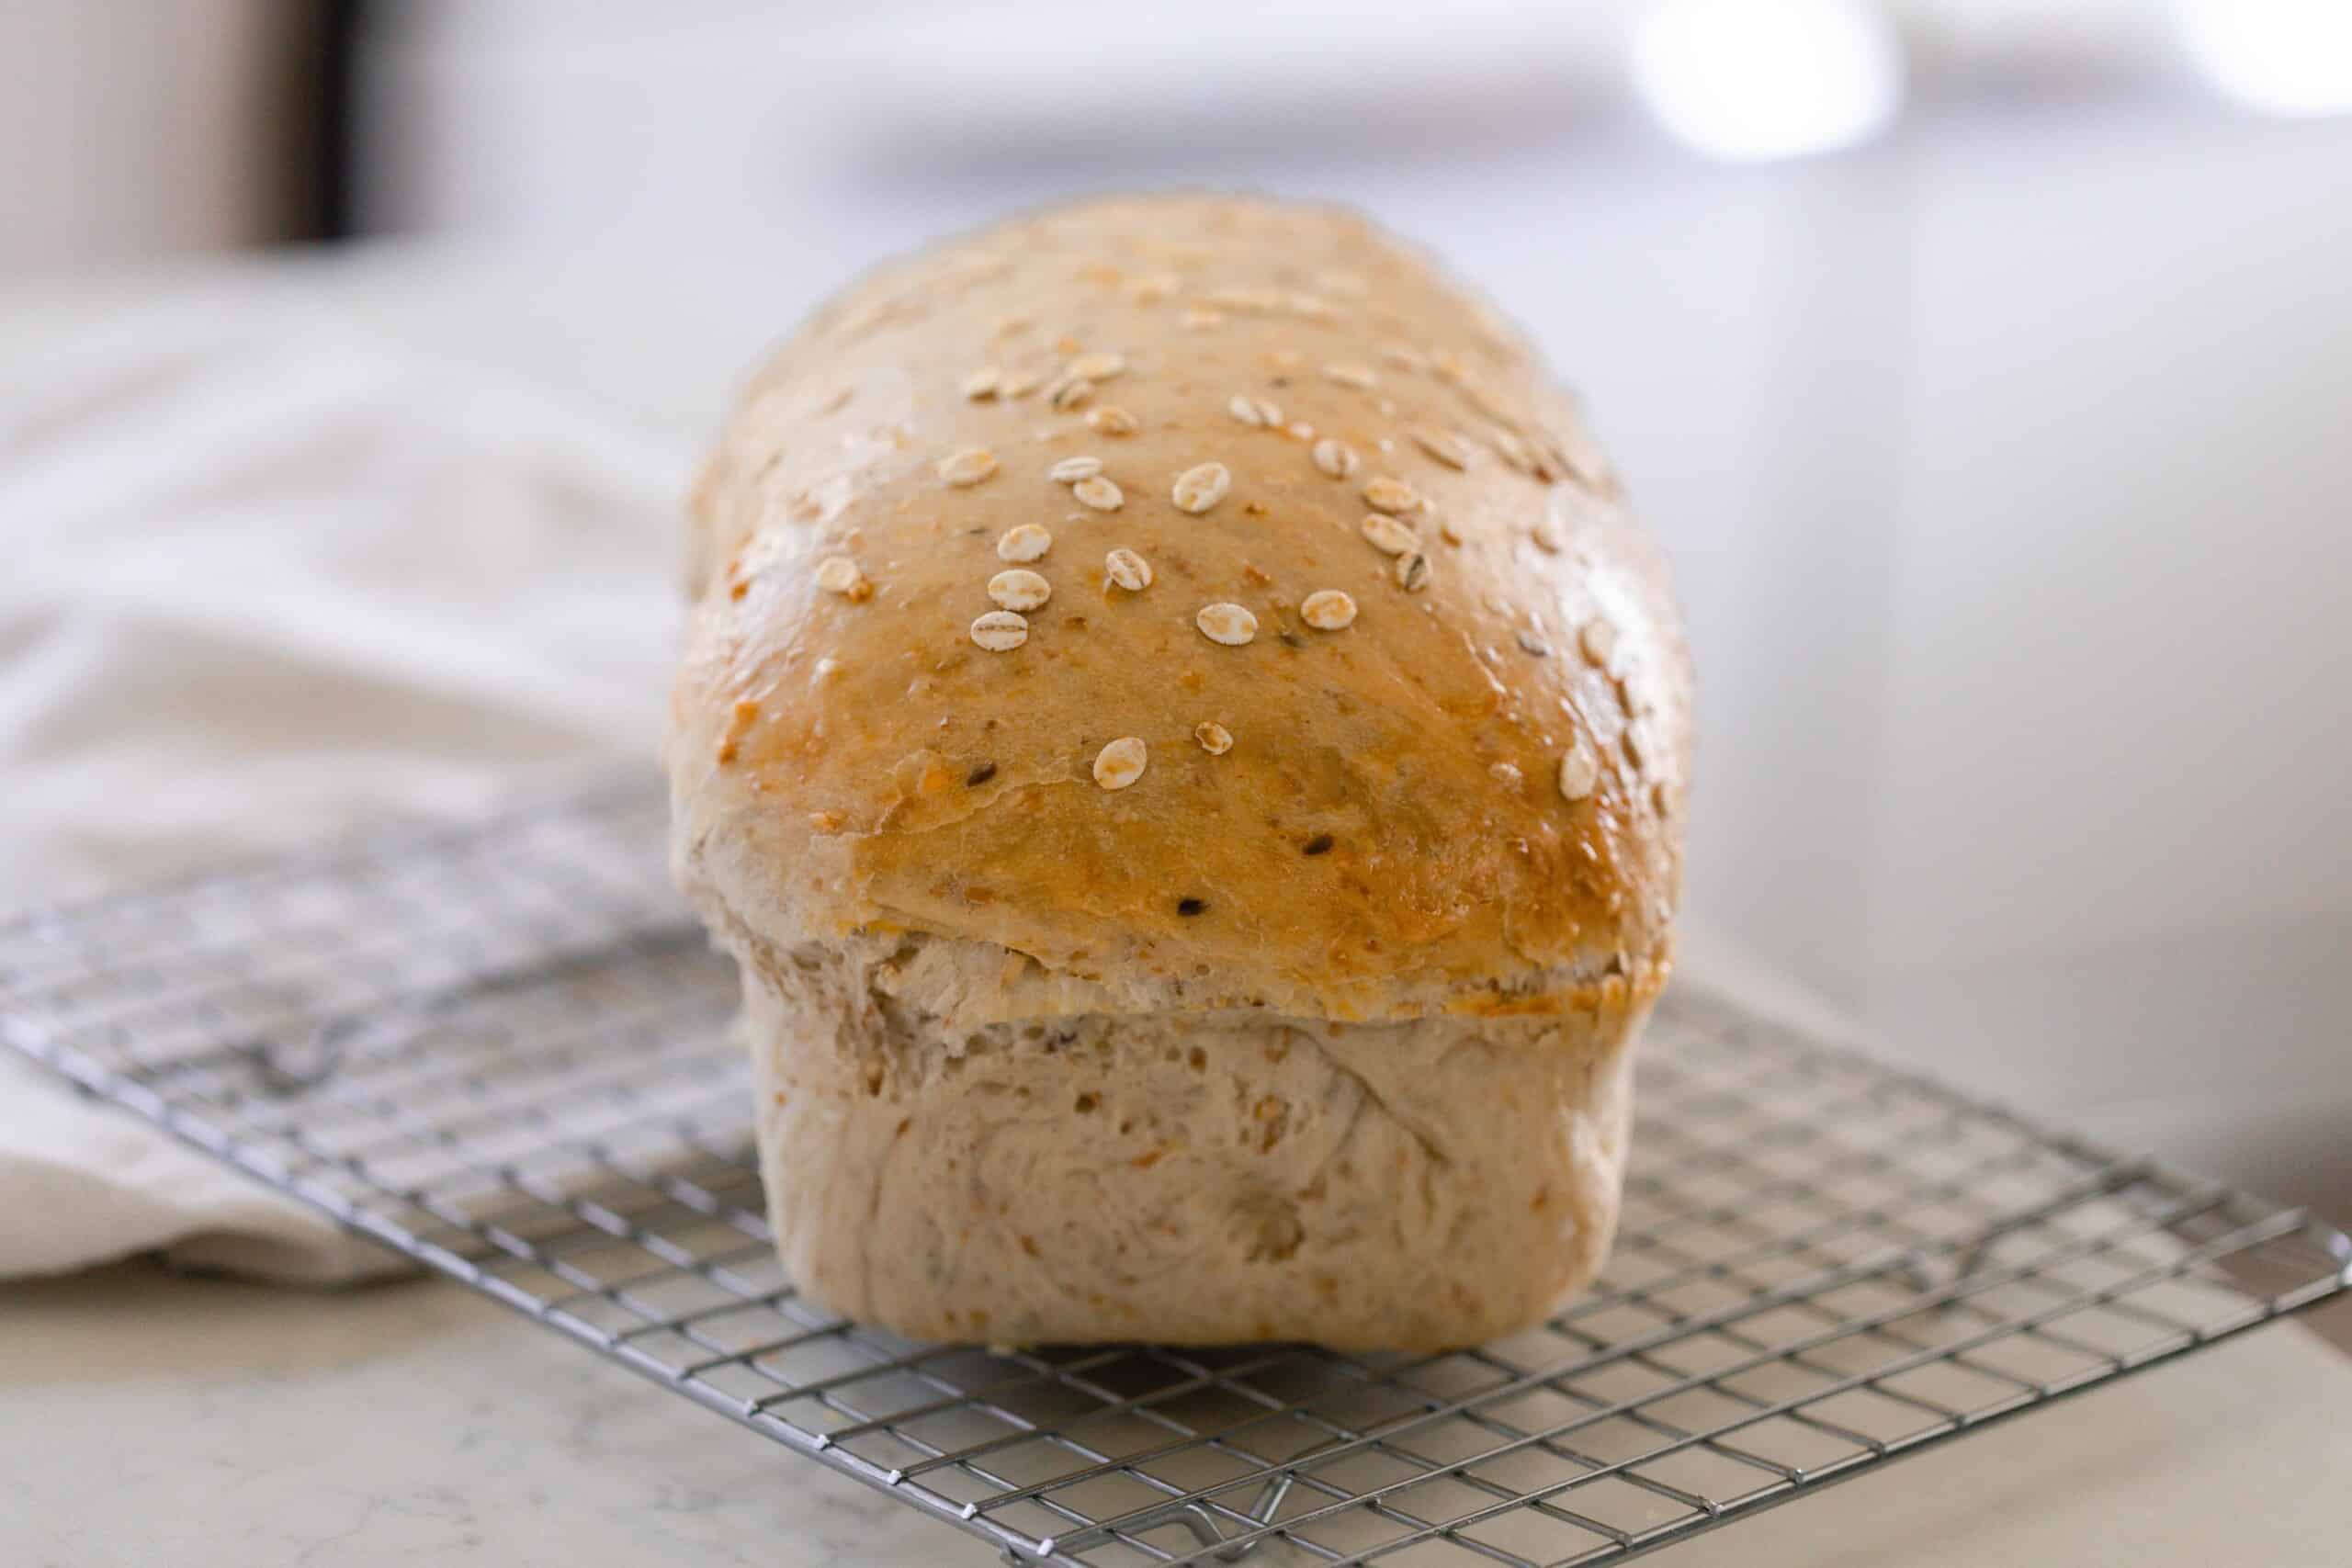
[(1389, 832)]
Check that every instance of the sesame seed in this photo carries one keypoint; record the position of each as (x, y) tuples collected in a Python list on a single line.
[(1636, 741), (1449, 530), (826, 821), (1111, 420), (1069, 470), (1019, 588), (1598, 640), (1348, 374), (1200, 487), (1444, 445), (1121, 763), (1215, 738), (1019, 383), (1412, 571), (839, 574), (1327, 610), (1299, 430), (1023, 542), (1255, 412), (1198, 319), (1097, 367), (1385, 494), (982, 383), (1534, 646), (1389, 535), (1284, 358), (1580, 772), (1099, 493), (980, 775), (968, 467), (1000, 631), (1188, 908), (1318, 845), (1069, 392), (1128, 569), (1404, 358), (1546, 534), (1227, 623), (1337, 459), (1504, 775)]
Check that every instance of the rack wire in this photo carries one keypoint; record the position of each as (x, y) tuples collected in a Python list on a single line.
[(501, 1050)]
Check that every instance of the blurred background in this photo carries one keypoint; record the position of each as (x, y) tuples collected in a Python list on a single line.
[(1986, 364)]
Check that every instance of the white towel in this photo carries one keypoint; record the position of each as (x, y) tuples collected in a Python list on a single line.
[(266, 575)]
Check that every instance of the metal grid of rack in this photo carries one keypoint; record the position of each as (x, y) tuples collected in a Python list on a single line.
[(501, 1050)]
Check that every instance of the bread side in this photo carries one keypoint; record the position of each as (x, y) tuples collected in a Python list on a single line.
[(1186, 1178)]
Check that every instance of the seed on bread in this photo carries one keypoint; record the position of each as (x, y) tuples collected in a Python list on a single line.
[(839, 574), (1128, 569), (1225, 622), (968, 467), (1019, 588), (1335, 459), (1200, 487), (1121, 763), (1327, 610), (1580, 772), (1000, 631), (1025, 542), (1100, 493), (1389, 535)]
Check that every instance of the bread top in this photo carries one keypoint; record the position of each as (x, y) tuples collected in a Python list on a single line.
[(1467, 798)]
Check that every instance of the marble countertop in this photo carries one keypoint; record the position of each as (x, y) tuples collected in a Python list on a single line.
[(157, 1419)]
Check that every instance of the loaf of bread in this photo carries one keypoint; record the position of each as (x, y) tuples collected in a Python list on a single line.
[(1189, 750)]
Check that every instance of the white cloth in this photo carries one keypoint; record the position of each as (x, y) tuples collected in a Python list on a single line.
[(265, 575)]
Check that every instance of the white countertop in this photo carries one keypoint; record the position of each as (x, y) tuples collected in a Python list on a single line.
[(153, 1419)]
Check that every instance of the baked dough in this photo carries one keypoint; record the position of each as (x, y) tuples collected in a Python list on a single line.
[(1188, 748)]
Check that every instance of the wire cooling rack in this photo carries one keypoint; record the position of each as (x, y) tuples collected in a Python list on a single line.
[(501, 1050)]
